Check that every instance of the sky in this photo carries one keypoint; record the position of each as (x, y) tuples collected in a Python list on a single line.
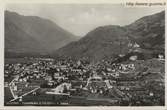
[(79, 19)]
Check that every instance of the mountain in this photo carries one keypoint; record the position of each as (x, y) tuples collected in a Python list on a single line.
[(33, 35), (99, 43), (149, 31), (108, 41)]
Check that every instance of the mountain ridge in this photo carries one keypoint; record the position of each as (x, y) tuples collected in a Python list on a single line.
[(150, 38), (47, 34)]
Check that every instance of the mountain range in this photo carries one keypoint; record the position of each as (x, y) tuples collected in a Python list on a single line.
[(32, 35), (148, 33)]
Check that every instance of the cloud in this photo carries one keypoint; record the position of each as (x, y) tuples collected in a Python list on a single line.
[(72, 20), (92, 17), (82, 18)]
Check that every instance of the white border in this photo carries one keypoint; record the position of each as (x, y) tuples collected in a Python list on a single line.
[(2, 54), (2, 7)]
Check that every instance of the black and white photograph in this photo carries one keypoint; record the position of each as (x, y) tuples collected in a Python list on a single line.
[(84, 55)]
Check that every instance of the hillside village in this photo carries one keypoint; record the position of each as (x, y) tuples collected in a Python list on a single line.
[(110, 66), (65, 82)]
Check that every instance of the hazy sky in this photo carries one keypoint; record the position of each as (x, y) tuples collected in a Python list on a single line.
[(80, 19)]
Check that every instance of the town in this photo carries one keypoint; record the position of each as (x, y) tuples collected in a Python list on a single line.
[(67, 81)]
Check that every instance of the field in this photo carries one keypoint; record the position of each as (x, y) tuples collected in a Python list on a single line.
[(7, 95), (18, 60)]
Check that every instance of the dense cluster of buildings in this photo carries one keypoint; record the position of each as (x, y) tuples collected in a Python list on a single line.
[(85, 83)]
